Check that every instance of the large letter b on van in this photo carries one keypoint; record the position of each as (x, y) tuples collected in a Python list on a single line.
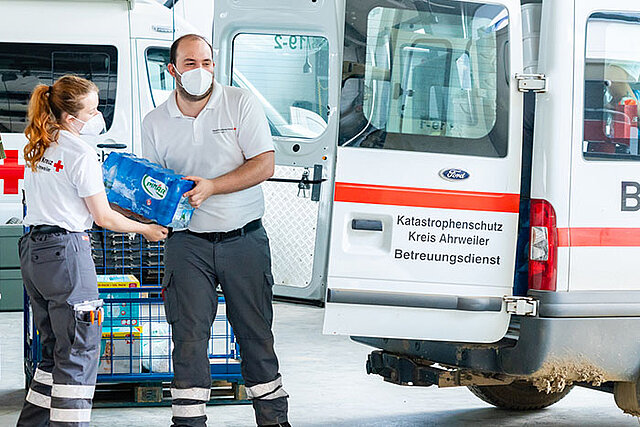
[(630, 196)]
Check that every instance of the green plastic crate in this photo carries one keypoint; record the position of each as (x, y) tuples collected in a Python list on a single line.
[(11, 290), (9, 235)]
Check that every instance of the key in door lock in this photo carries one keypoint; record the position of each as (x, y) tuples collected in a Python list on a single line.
[(303, 185)]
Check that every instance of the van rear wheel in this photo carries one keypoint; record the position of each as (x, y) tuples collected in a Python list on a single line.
[(519, 396)]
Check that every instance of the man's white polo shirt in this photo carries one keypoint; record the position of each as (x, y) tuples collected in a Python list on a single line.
[(230, 129)]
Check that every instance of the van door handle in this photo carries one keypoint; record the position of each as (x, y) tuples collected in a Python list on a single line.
[(366, 224), (115, 146)]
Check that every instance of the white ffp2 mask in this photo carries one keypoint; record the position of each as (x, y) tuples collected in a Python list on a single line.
[(197, 81), (94, 126)]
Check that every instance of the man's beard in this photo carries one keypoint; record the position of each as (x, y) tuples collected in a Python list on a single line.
[(193, 98)]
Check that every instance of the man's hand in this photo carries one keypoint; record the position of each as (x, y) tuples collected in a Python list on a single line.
[(202, 191)]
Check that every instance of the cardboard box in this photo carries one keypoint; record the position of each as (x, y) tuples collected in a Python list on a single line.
[(118, 281), (120, 351), (119, 314)]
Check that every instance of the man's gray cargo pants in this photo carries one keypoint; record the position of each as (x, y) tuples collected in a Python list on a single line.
[(242, 266), (60, 279)]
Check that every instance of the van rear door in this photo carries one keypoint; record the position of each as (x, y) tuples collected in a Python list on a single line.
[(604, 222), (427, 179), (287, 52)]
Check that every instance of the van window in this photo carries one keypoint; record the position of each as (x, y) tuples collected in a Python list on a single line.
[(160, 81), (25, 65), (428, 77), (612, 87), (290, 76)]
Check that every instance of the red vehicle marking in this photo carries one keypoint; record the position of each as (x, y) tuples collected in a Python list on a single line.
[(11, 172)]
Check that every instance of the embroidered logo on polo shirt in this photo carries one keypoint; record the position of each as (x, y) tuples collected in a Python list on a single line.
[(222, 130)]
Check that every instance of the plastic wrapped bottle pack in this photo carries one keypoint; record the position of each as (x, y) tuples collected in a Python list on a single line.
[(147, 189)]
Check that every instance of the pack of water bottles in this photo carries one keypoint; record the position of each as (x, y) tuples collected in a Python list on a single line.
[(147, 189)]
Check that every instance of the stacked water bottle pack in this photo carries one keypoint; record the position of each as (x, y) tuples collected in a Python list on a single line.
[(147, 189)]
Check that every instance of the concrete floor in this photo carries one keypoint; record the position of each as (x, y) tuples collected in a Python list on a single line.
[(328, 386)]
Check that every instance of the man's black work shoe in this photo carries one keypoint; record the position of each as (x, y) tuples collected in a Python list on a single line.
[(285, 424)]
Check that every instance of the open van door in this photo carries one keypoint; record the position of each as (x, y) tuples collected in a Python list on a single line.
[(427, 179), (287, 52)]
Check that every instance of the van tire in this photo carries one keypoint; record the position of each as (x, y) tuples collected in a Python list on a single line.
[(519, 396)]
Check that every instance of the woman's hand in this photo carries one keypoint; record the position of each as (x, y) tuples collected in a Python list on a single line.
[(155, 232), (107, 218)]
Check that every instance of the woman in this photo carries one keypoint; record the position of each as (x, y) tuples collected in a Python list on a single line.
[(65, 195)]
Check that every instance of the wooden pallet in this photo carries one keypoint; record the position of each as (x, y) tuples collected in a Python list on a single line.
[(118, 395)]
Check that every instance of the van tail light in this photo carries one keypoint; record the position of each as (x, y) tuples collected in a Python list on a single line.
[(543, 246)]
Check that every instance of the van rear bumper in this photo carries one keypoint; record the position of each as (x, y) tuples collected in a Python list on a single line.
[(579, 336)]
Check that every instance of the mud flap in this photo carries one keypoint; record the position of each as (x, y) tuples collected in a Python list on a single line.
[(627, 396)]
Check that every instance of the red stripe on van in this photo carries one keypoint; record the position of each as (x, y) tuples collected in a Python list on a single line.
[(426, 198), (598, 237)]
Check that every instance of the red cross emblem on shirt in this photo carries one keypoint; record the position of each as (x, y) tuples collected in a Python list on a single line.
[(59, 166), (11, 172)]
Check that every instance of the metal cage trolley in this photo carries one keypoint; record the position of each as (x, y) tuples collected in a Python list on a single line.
[(135, 355)]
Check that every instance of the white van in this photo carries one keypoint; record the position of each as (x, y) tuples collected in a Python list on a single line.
[(122, 46), (403, 123), (420, 125)]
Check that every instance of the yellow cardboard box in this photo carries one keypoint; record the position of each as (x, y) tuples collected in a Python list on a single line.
[(118, 281), (120, 351)]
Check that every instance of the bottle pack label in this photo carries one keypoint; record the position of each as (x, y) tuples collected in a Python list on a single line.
[(154, 188)]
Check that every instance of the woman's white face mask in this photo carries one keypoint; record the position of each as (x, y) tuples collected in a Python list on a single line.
[(197, 81), (92, 127)]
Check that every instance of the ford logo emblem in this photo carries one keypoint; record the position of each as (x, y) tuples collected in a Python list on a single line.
[(453, 174)]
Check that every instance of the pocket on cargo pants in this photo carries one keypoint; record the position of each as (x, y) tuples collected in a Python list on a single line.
[(86, 335), (170, 298)]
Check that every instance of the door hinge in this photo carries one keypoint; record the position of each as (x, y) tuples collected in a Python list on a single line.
[(522, 306), (532, 83)]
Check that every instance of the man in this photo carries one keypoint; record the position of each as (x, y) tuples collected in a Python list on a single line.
[(220, 138)]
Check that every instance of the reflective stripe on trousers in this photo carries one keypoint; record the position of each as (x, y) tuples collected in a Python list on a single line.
[(43, 377), (67, 391), (268, 391), (182, 404), (194, 393), (40, 389), (189, 411), (38, 399), (70, 415)]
